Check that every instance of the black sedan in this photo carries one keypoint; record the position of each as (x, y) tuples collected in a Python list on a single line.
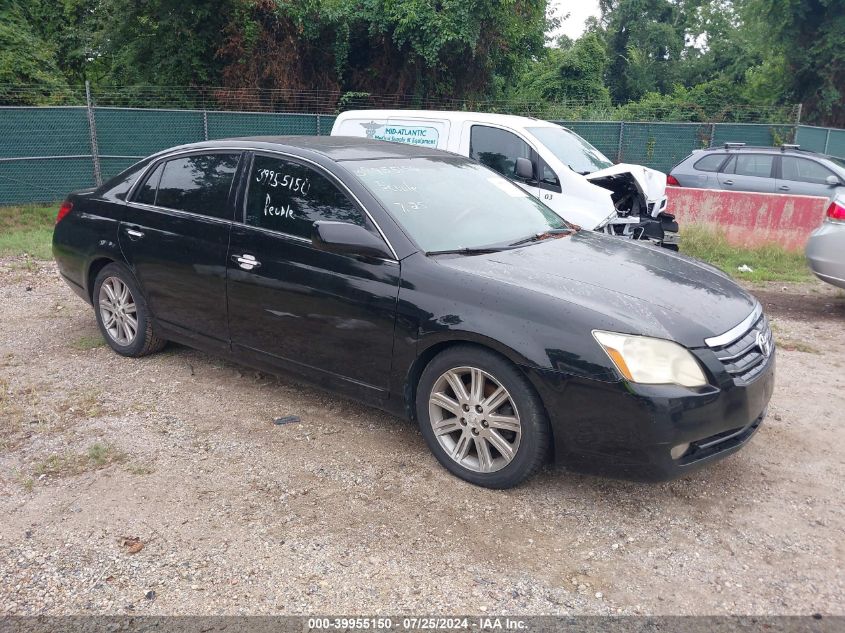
[(429, 286)]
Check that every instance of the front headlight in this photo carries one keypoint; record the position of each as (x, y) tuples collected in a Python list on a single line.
[(651, 361)]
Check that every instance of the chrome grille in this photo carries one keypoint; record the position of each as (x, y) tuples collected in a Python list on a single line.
[(745, 357)]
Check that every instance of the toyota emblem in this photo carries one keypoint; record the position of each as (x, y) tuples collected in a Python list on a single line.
[(764, 343)]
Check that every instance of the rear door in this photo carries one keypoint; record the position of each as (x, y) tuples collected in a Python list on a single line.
[(327, 316), (803, 176), (748, 172), (175, 237)]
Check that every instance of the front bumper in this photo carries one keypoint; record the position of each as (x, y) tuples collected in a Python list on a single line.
[(627, 431)]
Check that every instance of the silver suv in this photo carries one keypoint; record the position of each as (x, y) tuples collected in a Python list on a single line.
[(737, 167)]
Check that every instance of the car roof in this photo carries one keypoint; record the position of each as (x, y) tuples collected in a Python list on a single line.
[(337, 148), (451, 115)]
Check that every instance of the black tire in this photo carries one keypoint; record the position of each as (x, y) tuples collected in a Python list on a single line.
[(145, 340), (533, 443)]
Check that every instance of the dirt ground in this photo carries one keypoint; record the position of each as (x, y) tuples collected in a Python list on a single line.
[(161, 486)]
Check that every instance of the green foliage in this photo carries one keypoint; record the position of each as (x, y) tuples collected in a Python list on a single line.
[(572, 73), (26, 59)]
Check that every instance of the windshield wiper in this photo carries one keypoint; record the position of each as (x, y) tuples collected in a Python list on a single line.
[(469, 251), (543, 236)]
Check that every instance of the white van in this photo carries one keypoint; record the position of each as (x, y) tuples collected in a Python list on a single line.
[(549, 161)]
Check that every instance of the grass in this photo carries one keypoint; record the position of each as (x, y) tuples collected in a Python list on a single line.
[(768, 263), (87, 342), (27, 229), (96, 457)]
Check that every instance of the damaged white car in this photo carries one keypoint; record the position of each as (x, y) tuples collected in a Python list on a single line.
[(548, 161)]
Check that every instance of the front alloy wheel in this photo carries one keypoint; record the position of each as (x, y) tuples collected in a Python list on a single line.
[(481, 417), (474, 419)]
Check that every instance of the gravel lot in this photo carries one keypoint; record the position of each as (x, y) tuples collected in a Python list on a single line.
[(161, 486)]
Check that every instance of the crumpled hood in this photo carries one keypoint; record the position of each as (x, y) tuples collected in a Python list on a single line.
[(650, 182), (642, 289)]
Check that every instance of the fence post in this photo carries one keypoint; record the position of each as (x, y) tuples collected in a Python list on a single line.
[(712, 133), (92, 129), (797, 122), (318, 124), (826, 141), (619, 146), (205, 124)]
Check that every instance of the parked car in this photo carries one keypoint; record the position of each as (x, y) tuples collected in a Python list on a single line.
[(737, 167), (547, 160), (427, 285), (826, 247)]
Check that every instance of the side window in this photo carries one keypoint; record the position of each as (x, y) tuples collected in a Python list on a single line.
[(759, 165), (288, 197), (711, 162), (498, 149), (549, 177), (198, 183), (803, 170), (146, 193)]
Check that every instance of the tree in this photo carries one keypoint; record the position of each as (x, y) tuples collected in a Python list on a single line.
[(28, 69), (427, 48), (808, 34)]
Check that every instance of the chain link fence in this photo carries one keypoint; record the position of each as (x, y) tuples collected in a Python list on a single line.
[(77, 138)]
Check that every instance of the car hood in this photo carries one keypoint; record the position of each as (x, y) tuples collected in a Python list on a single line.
[(640, 289), (650, 182)]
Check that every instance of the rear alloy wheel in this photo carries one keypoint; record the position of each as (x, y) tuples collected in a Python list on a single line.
[(122, 313), (481, 418)]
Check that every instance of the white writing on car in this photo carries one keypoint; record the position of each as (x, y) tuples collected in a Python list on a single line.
[(284, 211), (285, 181)]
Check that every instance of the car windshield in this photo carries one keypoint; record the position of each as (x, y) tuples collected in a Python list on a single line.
[(453, 203), (571, 149)]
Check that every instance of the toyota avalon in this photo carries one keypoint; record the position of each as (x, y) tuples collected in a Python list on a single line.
[(427, 285)]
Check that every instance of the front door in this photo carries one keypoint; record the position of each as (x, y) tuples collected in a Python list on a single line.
[(175, 237), (499, 149), (328, 316)]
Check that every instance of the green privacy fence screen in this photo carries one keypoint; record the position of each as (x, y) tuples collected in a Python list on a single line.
[(826, 140), (45, 152)]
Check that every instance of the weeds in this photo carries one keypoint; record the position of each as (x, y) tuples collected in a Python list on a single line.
[(768, 263), (97, 456), (88, 342)]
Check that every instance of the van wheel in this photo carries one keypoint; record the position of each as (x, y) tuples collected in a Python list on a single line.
[(481, 418), (122, 313)]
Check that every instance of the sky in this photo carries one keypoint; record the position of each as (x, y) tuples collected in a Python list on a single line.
[(579, 11)]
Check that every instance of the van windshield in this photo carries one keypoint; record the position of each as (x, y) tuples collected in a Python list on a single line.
[(446, 203), (571, 149)]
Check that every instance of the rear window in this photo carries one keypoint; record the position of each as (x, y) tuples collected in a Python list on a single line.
[(146, 193), (711, 162), (199, 184), (804, 170)]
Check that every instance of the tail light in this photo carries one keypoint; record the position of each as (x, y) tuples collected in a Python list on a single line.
[(67, 205), (836, 212), (671, 180)]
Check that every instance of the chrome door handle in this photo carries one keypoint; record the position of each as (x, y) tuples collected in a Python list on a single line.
[(134, 234), (246, 261), (729, 182)]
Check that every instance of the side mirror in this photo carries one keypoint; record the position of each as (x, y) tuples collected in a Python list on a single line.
[(833, 181), (524, 169), (347, 239)]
